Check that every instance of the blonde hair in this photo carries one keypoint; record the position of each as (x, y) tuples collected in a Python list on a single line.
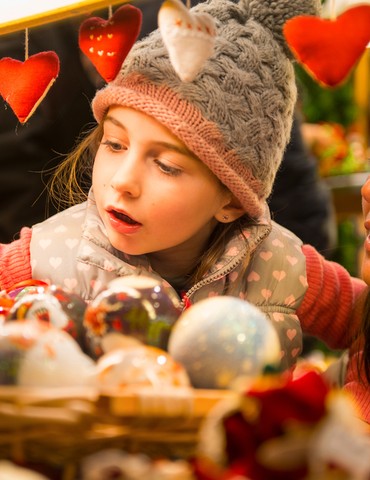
[(71, 181)]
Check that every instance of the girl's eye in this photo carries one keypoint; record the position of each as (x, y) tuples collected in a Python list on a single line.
[(172, 171), (114, 146)]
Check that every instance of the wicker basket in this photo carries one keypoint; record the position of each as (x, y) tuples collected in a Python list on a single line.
[(56, 428)]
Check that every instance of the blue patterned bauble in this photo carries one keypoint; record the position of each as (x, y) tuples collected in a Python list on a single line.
[(221, 339)]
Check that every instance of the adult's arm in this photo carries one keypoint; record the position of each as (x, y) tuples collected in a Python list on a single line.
[(332, 307)]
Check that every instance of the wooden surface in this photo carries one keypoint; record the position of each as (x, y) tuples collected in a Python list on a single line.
[(53, 14)]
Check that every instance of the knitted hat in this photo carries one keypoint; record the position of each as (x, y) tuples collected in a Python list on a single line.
[(236, 114)]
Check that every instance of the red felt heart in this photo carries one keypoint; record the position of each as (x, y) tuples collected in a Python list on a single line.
[(23, 85), (107, 42), (329, 49)]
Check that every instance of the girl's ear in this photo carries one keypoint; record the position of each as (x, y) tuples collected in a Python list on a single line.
[(230, 211)]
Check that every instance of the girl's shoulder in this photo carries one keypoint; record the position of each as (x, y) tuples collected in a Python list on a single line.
[(280, 241), (69, 216)]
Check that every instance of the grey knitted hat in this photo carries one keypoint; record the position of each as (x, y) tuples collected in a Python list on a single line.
[(236, 114)]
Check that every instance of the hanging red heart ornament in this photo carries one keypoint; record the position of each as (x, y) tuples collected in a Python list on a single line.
[(107, 42), (23, 85), (329, 49)]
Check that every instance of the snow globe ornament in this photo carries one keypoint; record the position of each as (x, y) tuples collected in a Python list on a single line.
[(56, 360), (136, 306), (127, 361), (54, 305), (16, 338), (221, 340)]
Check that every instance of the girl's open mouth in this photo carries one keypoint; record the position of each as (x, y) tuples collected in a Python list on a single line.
[(123, 223), (124, 218)]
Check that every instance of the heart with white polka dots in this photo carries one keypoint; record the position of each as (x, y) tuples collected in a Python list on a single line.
[(107, 42)]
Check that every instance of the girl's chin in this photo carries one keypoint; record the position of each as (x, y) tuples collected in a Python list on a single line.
[(128, 251)]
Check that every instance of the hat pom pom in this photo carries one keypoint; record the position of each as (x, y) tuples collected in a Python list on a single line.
[(274, 14)]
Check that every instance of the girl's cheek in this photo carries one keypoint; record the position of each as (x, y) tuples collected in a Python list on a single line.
[(365, 191)]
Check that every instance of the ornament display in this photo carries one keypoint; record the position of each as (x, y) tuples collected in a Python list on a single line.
[(51, 304), (107, 42), (221, 339), (140, 365), (136, 306)]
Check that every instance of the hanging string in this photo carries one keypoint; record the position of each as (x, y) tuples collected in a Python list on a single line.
[(188, 3), (110, 11), (332, 10), (26, 43)]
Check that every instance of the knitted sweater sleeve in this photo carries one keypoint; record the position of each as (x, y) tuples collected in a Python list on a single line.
[(331, 309), (15, 263)]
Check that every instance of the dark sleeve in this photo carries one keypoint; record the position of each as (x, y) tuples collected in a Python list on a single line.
[(36, 146), (300, 200)]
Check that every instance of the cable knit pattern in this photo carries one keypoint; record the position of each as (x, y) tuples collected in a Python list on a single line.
[(245, 93)]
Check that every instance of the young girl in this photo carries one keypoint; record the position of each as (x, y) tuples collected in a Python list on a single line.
[(180, 176)]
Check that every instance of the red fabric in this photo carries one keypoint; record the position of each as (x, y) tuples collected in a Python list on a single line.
[(301, 402), (329, 49), (107, 42), (23, 85)]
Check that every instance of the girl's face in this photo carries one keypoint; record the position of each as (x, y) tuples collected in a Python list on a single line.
[(365, 193), (152, 193)]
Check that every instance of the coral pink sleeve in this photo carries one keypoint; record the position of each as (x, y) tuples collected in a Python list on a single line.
[(15, 263), (331, 309)]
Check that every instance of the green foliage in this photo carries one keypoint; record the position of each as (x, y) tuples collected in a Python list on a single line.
[(320, 104)]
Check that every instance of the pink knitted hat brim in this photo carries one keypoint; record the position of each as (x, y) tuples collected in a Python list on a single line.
[(186, 122)]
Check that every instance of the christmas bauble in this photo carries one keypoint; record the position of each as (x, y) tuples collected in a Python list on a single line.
[(221, 339), (136, 306), (51, 304)]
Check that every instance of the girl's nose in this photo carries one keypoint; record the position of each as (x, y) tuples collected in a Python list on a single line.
[(127, 178)]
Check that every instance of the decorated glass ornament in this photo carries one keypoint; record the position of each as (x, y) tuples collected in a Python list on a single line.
[(220, 340), (54, 305), (15, 339), (25, 287), (139, 306), (56, 360), (140, 365), (6, 302)]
